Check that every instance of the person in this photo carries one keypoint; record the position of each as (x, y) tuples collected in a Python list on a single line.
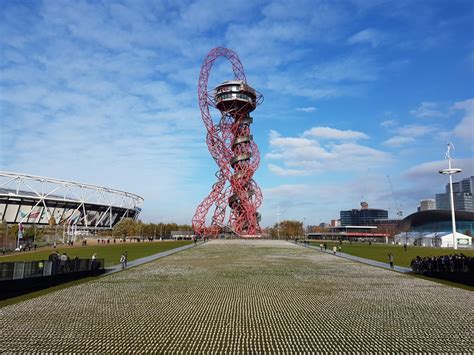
[(40, 267), (126, 258), (34, 246), (123, 260), (76, 263), (94, 263), (54, 245), (405, 246), (325, 246), (53, 258), (3, 250), (62, 263), (334, 249), (390, 260), (321, 246), (339, 248)]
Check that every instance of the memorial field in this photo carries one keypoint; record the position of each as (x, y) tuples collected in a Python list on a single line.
[(245, 296)]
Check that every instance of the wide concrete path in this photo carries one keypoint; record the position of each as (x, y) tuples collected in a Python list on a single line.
[(245, 297)]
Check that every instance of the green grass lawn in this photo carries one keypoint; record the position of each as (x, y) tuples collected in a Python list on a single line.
[(110, 252), (379, 252)]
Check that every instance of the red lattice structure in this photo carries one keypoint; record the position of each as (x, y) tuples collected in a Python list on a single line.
[(232, 147)]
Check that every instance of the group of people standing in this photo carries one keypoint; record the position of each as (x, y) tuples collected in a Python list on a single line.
[(59, 262), (443, 263)]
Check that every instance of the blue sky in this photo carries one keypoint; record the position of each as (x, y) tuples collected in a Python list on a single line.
[(105, 92)]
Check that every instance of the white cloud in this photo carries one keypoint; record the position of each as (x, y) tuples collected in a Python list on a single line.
[(353, 68), (286, 172), (465, 128), (369, 36), (306, 109), (411, 133), (305, 155), (398, 141), (332, 133), (427, 110), (429, 171), (389, 123), (415, 130)]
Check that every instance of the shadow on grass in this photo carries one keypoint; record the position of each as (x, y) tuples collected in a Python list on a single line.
[(45, 291)]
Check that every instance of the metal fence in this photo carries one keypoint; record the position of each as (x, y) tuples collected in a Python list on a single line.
[(43, 268)]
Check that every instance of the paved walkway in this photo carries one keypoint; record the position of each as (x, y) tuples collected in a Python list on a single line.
[(362, 260), (147, 259)]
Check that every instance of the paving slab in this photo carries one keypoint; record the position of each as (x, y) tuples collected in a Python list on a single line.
[(245, 297)]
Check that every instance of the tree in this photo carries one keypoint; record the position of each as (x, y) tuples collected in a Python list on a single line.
[(286, 229), (127, 227)]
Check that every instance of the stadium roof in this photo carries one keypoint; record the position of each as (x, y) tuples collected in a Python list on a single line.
[(425, 217)]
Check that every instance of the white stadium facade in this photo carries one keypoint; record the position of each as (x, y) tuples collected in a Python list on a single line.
[(35, 200)]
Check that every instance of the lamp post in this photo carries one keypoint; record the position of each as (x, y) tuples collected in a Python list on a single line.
[(278, 221), (450, 171), (302, 226)]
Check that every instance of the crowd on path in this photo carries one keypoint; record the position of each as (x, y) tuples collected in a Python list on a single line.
[(443, 263)]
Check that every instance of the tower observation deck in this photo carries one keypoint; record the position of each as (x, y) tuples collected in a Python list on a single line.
[(232, 147)]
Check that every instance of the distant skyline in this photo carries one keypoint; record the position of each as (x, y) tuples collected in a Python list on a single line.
[(106, 93)]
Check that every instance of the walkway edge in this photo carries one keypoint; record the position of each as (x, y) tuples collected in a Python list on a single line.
[(146, 259), (371, 262)]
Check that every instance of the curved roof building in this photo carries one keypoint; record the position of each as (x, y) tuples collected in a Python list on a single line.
[(437, 221), (29, 199)]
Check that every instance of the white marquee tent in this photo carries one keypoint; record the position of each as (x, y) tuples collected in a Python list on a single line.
[(439, 239)]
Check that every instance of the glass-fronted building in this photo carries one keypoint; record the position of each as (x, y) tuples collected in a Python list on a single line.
[(362, 217), (438, 221)]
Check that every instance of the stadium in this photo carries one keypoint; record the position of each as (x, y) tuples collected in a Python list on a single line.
[(42, 201)]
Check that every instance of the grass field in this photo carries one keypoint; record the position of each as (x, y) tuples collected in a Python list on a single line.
[(379, 252), (110, 252)]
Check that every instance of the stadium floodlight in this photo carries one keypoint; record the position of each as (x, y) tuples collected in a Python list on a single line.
[(450, 171)]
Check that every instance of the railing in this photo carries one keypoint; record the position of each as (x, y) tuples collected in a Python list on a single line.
[(19, 270)]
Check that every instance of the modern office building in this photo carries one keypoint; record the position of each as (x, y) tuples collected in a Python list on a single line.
[(462, 193), (362, 217)]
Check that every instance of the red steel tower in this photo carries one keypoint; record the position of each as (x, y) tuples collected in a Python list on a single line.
[(232, 147)]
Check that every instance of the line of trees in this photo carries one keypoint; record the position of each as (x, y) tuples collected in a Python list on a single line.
[(52, 232), (131, 228), (286, 229)]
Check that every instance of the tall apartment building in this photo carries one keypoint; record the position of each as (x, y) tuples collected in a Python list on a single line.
[(462, 194), (427, 204)]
